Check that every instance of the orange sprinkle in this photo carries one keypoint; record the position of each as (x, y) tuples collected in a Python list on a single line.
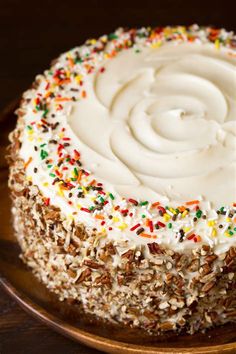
[(28, 162), (47, 94), (192, 202), (181, 208), (71, 62), (62, 99), (61, 82), (99, 216), (79, 175), (84, 94), (198, 238), (155, 204), (147, 235), (92, 182), (147, 222)]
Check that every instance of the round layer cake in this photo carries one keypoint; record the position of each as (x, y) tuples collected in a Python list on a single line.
[(122, 172)]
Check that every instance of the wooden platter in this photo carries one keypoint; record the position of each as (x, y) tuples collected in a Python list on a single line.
[(18, 281)]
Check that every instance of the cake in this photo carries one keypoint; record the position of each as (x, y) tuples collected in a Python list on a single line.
[(122, 176)]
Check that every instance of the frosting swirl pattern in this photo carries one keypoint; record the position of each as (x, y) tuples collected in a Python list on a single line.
[(161, 123)]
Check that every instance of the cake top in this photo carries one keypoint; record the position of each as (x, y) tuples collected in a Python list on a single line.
[(134, 134)]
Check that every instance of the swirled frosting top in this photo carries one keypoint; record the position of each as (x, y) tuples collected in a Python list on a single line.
[(139, 128)]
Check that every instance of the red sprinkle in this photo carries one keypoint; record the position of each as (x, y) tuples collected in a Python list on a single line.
[(190, 237), (85, 209), (159, 223), (134, 227), (151, 226), (161, 209), (46, 201), (133, 201)]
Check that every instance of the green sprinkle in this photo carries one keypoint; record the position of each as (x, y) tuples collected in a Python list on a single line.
[(112, 36), (73, 179), (78, 61), (49, 166), (144, 203), (43, 154), (198, 214), (111, 196), (102, 200), (137, 50), (170, 225), (231, 233), (52, 175), (75, 171), (45, 113), (29, 127), (143, 216), (42, 145), (235, 229)]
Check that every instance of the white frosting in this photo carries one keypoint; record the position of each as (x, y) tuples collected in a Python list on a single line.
[(158, 125), (162, 123)]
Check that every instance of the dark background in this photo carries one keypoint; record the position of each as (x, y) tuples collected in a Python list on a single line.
[(32, 33)]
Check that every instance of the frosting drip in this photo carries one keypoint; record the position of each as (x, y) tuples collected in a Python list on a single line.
[(161, 123)]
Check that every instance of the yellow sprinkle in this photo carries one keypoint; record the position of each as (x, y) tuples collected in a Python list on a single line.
[(92, 41), (30, 132), (70, 217), (29, 178), (30, 138), (211, 223), (84, 190), (123, 226), (45, 184), (39, 140), (78, 206), (103, 230), (61, 135), (227, 234), (186, 229), (78, 78), (213, 232), (59, 190), (184, 213), (166, 217), (228, 219), (217, 44), (172, 210), (156, 44), (115, 219)]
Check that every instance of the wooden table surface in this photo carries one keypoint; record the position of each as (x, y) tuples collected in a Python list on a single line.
[(31, 34)]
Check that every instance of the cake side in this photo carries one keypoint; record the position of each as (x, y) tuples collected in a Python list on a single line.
[(166, 291)]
